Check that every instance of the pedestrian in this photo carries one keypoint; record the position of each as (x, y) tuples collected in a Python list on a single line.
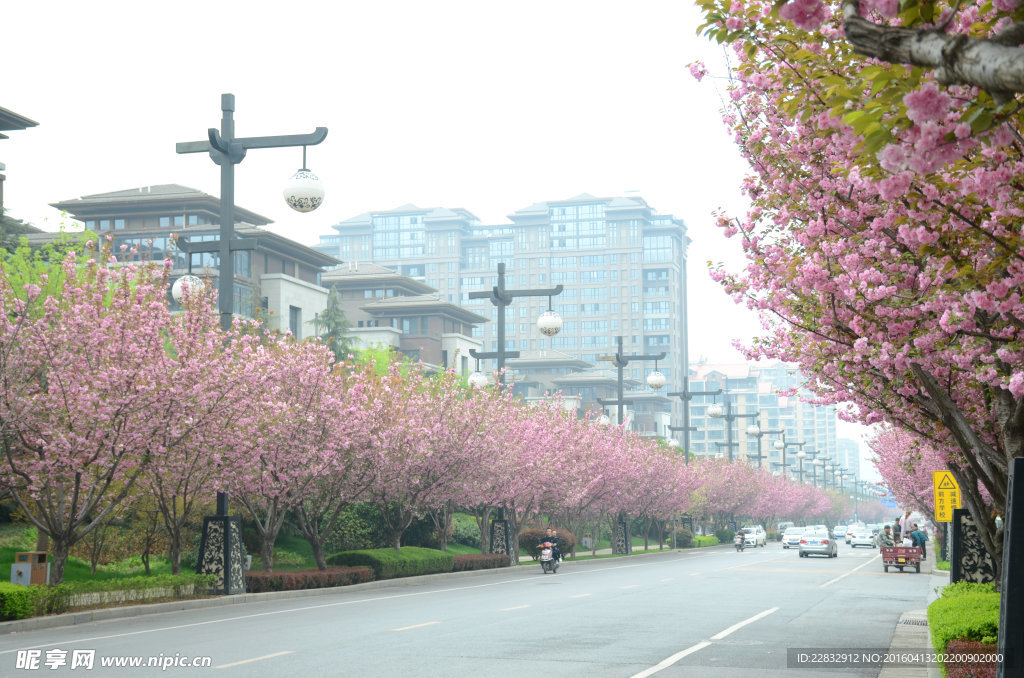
[(920, 537), (906, 524)]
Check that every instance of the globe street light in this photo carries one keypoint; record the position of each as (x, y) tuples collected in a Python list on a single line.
[(755, 430), (782, 444), (620, 361), (549, 323), (716, 411), (687, 395)]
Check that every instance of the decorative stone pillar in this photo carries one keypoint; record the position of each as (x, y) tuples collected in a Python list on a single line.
[(220, 553), (621, 539), (969, 560)]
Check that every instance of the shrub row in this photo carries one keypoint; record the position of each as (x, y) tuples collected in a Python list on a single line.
[(260, 582), (389, 563), (19, 602), (710, 540), (479, 561), (965, 612), (970, 669)]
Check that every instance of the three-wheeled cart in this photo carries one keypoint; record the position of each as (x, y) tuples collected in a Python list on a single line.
[(901, 556)]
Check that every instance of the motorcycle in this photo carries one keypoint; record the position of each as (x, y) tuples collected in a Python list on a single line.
[(740, 541), (548, 562)]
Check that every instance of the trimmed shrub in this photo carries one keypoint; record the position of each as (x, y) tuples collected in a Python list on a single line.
[(976, 669), (705, 541), (389, 563), (530, 538), (965, 611), (18, 602), (684, 538), (724, 536), (480, 561), (260, 582)]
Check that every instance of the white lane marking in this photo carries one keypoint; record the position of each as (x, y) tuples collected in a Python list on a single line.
[(736, 627), (865, 563), (316, 607), (254, 659), (694, 574), (517, 607), (581, 595), (630, 586), (667, 579), (417, 626), (665, 663)]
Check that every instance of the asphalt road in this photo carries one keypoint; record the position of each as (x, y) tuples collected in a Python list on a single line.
[(710, 613)]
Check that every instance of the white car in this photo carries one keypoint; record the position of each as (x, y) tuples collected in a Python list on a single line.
[(862, 536), (840, 533), (754, 535)]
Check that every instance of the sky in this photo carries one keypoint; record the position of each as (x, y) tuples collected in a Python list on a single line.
[(488, 106)]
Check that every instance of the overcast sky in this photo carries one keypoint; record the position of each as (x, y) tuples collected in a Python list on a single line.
[(482, 105)]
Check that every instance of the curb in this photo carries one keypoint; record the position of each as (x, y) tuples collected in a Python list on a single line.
[(106, 614)]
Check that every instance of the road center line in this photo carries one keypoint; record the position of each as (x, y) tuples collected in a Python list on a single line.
[(665, 663), (832, 581), (736, 627), (581, 595), (517, 607), (417, 626), (254, 659), (630, 586)]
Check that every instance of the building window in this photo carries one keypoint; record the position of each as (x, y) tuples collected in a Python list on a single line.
[(165, 221)]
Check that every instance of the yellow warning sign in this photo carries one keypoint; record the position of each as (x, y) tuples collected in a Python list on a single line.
[(947, 495)]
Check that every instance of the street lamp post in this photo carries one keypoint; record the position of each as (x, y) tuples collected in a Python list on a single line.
[(687, 395), (801, 455), (782, 445), (549, 322), (716, 411), (755, 430), (220, 550), (620, 361)]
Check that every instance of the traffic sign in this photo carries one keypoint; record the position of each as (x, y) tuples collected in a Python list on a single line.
[(947, 495)]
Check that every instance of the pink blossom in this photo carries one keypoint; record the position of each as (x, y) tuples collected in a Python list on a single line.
[(698, 70), (806, 14), (1005, 5), (927, 103)]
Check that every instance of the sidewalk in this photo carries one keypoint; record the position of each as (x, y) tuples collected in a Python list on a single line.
[(911, 632)]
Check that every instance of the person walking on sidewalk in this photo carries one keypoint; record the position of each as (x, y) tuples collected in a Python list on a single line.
[(906, 524), (919, 537)]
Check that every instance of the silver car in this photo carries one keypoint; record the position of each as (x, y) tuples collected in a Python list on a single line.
[(792, 537), (820, 542)]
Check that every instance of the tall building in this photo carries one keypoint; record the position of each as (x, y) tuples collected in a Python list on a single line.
[(621, 264), (10, 122), (757, 394)]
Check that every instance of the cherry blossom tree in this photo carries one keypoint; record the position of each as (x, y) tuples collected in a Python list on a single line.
[(88, 393), (883, 238)]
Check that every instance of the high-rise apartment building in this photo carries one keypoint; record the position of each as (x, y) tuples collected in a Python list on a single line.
[(622, 266)]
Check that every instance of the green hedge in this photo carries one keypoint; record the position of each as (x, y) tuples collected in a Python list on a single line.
[(19, 602), (260, 582), (710, 540), (965, 611), (389, 563), (480, 561)]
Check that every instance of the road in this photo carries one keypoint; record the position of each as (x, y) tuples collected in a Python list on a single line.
[(712, 613)]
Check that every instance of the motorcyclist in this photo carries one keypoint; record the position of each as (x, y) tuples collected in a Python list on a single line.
[(556, 543)]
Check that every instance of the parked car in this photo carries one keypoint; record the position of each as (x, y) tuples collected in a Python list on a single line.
[(819, 542), (861, 536), (839, 532), (754, 535), (781, 529), (792, 537)]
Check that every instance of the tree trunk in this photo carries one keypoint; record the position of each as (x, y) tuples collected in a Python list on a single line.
[(58, 559), (174, 550), (318, 555), (267, 553), (482, 515)]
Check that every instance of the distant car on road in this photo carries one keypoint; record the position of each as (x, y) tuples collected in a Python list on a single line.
[(792, 537), (861, 536), (754, 535), (840, 532), (819, 542)]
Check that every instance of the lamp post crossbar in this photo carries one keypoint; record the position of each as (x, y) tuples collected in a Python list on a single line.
[(687, 395), (761, 434), (502, 298), (620, 361), (227, 151)]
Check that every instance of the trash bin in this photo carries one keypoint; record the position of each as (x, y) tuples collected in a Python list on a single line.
[(30, 567)]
